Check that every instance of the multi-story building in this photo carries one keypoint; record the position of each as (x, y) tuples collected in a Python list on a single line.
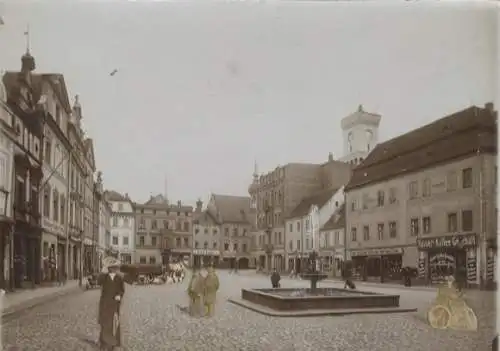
[(91, 218), (122, 225), (206, 237), (360, 134), (177, 237), (236, 219), (56, 148), (8, 137), (332, 243), (427, 199), (23, 100), (104, 221), (152, 219), (302, 227)]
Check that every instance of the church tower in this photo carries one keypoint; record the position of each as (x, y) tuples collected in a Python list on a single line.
[(360, 135)]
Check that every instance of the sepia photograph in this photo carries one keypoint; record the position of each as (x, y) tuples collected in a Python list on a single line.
[(248, 175)]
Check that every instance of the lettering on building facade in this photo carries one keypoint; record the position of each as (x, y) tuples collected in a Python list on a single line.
[(378, 252), (458, 241)]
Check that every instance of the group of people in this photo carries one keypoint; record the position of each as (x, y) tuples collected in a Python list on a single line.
[(202, 292)]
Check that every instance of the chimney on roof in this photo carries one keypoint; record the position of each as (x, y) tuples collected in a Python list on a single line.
[(330, 157), (179, 203), (490, 107)]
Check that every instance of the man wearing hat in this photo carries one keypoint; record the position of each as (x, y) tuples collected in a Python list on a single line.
[(112, 290)]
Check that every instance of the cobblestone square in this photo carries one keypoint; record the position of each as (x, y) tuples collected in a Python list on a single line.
[(153, 319)]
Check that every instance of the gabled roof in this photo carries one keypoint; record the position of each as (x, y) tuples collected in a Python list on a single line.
[(111, 195), (319, 199), (455, 136), (88, 144), (233, 209), (59, 86), (157, 200), (205, 218), (337, 220)]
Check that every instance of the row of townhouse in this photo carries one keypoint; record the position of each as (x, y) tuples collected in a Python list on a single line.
[(425, 200), (49, 211)]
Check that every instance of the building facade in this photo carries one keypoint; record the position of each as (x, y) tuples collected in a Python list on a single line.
[(122, 225), (427, 199), (8, 137), (206, 238), (23, 99), (55, 150), (304, 224), (236, 220), (332, 243)]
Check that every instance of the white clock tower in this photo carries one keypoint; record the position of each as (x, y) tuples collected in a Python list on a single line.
[(360, 134)]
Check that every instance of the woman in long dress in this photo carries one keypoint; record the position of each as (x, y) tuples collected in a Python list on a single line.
[(112, 291)]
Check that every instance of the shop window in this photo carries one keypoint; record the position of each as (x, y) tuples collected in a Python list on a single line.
[(414, 226), (354, 234), (393, 230), (467, 221), (452, 223), (366, 233), (413, 189), (467, 178), (426, 223), (380, 230)]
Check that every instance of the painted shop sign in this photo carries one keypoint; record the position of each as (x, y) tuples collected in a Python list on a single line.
[(460, 240), (378, 252), (205, 252)]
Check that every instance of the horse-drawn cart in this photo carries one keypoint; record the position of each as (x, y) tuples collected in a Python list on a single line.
[(141, 274)]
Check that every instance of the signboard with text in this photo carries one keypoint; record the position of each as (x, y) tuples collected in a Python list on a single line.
[(377, 252), (452, 241)]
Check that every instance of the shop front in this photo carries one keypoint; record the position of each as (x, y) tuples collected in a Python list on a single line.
[(439, 257), (205, 258), (383, 264)]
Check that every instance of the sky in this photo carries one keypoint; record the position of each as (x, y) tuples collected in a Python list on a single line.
[(205, 89)]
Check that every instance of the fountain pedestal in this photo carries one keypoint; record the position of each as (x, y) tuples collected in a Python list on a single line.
[(313, 275)]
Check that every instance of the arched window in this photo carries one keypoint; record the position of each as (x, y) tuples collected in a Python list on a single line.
[(55, 201), (46, 201)]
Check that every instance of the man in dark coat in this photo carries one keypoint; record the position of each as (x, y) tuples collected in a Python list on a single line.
[(112, 291), (275, 279)]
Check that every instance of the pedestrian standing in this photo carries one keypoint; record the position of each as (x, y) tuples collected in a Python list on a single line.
[(195, 292), (112, 291), (210, 288), (275, 279)]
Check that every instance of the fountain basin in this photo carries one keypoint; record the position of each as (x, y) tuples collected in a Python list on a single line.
[(318, 299)]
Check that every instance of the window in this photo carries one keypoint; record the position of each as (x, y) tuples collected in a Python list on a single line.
[(46, 201), (120, 207), (365, 201), (393, 232), (186, 242), (141, 240), (142, 259), (426, 188), (307, 224), (153, 241), (48, 152), (353, 205), (244, 248), (154, 224), (307, 244), (467, 178), (178, 226), (244, 232), (290, 245), (298, 226), (178, 242), (235, 231), (152, 260), (337, 237), (452, 222), (125, 241), (451, 181), (115, 240), (205, 245), (186, 226), (226, 231), (380, 231), (426, 223), (380, 198), (63, 209), (354, 234), (214, 232), (115, 222), (392, 195), (58, 115), (197, 230), (165, 224), (298, 244), (467, 221), (226, 246), (290, 227), (126, 222), (205, 231), (196, 245), (55, 202), (413, 190), (414, 226), (366, 233), (214, 244)]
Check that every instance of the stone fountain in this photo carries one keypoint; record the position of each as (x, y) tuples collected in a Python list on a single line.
[(314, 301)]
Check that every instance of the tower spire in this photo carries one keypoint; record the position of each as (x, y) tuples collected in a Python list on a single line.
[(165, 194), (255, 170), (28, 42)]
